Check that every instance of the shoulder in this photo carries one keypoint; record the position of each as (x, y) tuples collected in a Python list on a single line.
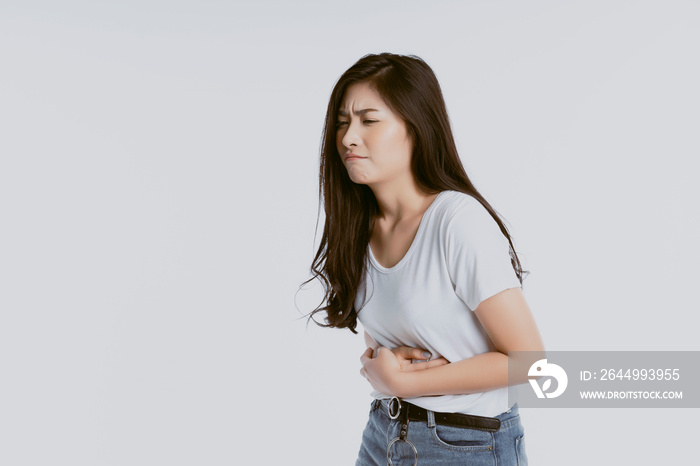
[(460, 211), (465, 224)]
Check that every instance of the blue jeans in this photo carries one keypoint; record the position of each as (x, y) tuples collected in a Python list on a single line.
[(438, 444)]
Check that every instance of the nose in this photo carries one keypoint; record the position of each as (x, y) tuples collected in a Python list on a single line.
[(351, 138)]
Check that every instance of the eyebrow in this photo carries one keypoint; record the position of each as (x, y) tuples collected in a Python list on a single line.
[(357, 112)]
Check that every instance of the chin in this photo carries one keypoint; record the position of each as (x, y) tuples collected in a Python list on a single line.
[(360, 178)]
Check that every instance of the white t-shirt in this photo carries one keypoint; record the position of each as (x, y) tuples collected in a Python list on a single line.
[(458, 258)]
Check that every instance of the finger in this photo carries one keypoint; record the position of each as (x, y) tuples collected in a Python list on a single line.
[(366, 356), (418, 366), (408, 352), (384, 353), (437, 362)]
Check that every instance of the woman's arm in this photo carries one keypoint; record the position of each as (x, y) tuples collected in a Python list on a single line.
[(507, 320)]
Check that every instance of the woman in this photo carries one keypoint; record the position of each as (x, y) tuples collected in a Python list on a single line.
[(417, 255)]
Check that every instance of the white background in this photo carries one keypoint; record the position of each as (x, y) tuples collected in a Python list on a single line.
[(159, 196)]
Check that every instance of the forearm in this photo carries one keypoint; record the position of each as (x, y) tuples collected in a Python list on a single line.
[(486, 371)]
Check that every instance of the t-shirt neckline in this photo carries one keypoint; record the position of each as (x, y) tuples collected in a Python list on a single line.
[(419, 234)]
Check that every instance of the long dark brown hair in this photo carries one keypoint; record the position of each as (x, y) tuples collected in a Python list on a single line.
[(411, 90)]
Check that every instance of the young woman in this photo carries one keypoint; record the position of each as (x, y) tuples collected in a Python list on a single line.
[(414, 252)]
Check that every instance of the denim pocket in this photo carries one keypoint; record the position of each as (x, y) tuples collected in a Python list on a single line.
[(462, 438)]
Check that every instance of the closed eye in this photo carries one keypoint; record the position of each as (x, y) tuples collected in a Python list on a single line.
[(338, 124)]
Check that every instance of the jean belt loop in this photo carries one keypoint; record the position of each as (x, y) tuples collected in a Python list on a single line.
[(431, 419), (514, 408)]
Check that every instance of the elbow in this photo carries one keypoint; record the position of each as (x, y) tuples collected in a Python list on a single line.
[(538, 347), (522, 360), (534, 346), (535, 350)]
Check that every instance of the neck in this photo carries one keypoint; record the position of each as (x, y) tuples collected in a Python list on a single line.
[(400, 201)]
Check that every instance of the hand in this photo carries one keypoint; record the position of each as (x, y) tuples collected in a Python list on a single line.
[(407, 354), (388, 371)]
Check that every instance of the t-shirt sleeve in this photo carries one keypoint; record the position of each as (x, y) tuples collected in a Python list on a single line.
[(478, 255)]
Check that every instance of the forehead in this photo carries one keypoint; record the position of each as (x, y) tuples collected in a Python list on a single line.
[(360, 96)]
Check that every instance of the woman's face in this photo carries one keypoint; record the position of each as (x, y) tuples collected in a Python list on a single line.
[(372, 141)]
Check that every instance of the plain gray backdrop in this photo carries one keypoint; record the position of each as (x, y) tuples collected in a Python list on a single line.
[(159, 200)]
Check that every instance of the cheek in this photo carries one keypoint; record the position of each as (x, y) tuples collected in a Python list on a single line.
[(397, 143), (339, 142)]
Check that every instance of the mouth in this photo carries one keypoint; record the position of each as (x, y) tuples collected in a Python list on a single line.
[(353, 157)]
